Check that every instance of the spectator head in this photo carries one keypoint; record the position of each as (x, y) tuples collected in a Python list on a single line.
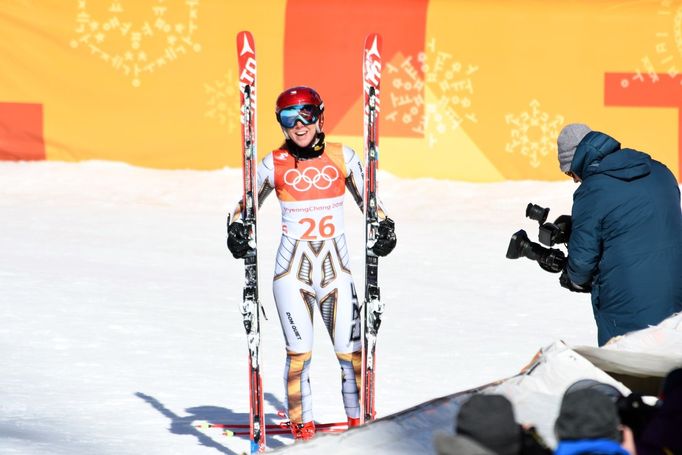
[(489, 420), (607, 389), (567, 142), (587, 414)]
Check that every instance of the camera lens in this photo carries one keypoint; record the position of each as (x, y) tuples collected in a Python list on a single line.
[(517, 245), (537, 213)]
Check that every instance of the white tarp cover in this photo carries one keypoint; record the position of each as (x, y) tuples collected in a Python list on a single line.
[(649, 352), (536, 393)]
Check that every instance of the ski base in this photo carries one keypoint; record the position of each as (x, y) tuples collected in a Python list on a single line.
[(282, 428)]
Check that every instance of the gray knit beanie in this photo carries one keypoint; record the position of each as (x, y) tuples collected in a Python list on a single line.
[(568, 140)]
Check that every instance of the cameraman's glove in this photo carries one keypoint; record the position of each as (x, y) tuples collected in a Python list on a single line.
[(566, 282), (238, 239), (386, 238)]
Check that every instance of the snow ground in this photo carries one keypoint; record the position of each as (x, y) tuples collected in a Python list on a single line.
[(119, 304)]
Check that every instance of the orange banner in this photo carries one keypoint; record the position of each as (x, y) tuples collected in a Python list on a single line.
[(471, 90)]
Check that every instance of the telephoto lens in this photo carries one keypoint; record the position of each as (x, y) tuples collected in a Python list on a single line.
[(550, 259)]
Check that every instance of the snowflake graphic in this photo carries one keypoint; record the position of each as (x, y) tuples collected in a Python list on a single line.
[(667, 52), (533, 133), (137, 49), (449, 79), (223, 101)]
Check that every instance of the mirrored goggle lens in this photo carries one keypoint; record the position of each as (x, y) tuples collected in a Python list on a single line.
[(307, 114)]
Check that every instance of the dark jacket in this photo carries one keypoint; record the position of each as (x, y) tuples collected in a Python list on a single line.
[(626, 237), (664, 433)]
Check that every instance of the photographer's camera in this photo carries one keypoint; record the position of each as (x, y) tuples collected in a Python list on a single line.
[(550, 259)]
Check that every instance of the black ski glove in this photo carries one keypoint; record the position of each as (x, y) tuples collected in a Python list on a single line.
[(386, 238), (238, 239), (566, 282)]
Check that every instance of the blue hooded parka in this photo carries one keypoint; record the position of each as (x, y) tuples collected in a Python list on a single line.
[(626, 237)]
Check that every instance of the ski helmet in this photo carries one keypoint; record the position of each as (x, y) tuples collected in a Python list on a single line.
[(299, 103)]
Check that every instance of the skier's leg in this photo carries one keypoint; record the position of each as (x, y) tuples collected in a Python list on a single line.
[(351, 375), (348, 347), (295, 301), (297, 383), (341, 315)]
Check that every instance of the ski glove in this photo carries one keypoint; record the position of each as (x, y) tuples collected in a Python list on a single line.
[(566, 282), (386, 238), (238, 239)]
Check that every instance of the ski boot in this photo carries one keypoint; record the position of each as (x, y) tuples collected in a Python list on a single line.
[(303, 431), (353, 422)]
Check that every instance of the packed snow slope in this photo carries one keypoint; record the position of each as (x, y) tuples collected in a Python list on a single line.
[(119, 304)]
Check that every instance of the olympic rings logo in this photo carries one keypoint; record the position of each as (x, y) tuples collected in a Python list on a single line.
[(311, 177)]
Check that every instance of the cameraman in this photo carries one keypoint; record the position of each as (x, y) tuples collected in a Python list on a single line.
[(626, 240)]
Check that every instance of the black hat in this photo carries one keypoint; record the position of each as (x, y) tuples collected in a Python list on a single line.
[(607, 389), (587, 414), (489, 420)]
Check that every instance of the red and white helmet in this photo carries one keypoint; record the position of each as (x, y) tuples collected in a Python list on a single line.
[(303, 97)]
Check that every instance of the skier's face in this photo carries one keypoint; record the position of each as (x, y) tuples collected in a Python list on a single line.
[(301, 134)]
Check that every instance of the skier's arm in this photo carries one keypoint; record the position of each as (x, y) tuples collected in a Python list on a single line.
[(265, 177), (238, 235), (355, 181)]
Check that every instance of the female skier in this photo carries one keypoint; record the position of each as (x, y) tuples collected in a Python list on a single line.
[(312, 271)]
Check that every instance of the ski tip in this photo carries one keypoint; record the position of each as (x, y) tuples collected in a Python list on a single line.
[(373, 43), (245, 43)]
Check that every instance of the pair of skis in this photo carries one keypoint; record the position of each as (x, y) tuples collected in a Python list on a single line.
[(250, 307), (284, 427)]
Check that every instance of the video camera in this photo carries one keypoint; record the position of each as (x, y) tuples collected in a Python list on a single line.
[(550, 259)]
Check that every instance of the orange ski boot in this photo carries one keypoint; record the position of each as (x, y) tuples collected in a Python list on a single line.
[(303, 431), (353, 422)]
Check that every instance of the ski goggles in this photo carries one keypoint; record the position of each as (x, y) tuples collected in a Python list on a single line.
[(305, 113)]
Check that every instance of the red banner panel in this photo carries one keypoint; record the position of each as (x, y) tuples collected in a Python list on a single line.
[(323, 49), (21, 132), (646, 90)]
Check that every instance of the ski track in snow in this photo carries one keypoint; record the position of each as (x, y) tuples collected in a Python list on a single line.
[(119, 303)]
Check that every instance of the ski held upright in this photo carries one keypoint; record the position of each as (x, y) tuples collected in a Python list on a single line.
[(373, 307), (250, 307)]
